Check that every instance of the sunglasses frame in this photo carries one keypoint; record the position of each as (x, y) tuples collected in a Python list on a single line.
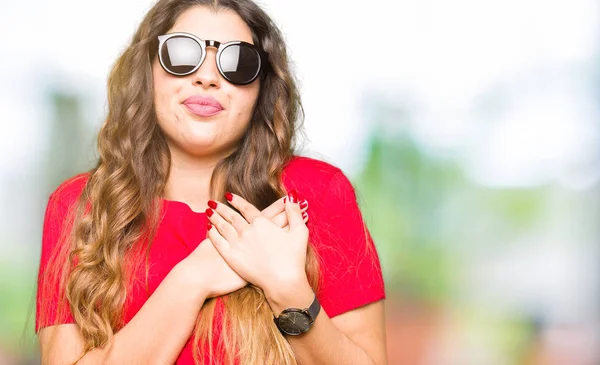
[(263, 57)]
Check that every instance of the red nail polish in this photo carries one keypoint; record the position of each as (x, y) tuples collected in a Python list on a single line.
[(304, 215), (209, 212), (228, 196), (293, 195), (208, 226), (212, 204), (303, 203)]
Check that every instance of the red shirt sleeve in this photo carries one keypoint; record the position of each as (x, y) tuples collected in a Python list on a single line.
[(350, 270), (51, 305)]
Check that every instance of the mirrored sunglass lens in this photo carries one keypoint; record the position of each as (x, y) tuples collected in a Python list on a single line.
[(239, 63), (181, 54)]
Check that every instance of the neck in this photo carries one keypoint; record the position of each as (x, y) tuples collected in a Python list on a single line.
[(189, 179)]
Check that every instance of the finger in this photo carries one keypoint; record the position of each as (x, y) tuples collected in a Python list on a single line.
[(303, 203), (305, 217), (249, 211), (292, 209), (303, 208), (278, 207), (225, 228), (274, 209), (218, 241), (281, 219), (234, 218)]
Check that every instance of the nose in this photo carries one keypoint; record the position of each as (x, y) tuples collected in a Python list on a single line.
[(207, 74)]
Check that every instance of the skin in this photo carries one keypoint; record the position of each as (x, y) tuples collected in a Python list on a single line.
[(197, 143), (274, 260)]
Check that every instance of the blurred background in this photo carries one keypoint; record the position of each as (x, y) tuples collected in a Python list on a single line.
[(469, 128)]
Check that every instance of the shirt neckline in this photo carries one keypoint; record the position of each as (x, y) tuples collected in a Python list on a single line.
[(179, 206)]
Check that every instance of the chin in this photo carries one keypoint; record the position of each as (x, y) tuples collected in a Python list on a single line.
[(198, 143)]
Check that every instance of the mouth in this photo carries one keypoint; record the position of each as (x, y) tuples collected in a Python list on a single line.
[(203, 110), (203, 105)]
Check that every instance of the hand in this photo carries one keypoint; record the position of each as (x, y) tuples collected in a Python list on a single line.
[(212, 272), (215, 274), (257, 249), (276, 212)]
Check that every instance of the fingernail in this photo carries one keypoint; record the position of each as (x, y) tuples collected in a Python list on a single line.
[(212, 204), (209, 212), (208, 226), (304, 215), (228, 196), (293, 195), (303, 203)]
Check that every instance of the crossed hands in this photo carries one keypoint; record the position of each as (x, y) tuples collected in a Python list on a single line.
[(264, 248)]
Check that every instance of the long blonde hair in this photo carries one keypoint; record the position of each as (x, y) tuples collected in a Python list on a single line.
[(117, 213)]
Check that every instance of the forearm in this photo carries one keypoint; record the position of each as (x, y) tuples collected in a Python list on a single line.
[(161, 328), (324, 344)]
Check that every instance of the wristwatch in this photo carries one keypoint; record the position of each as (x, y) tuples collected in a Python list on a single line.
[(295, 321)]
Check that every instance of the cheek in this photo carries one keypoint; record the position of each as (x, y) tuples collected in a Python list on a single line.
[(164, 89), (163, 112), (161, 104), (248, 98)]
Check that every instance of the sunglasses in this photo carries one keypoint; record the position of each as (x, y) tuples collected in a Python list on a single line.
[(239, 62)]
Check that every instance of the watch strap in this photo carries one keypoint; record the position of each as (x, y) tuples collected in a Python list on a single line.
[(314, 308)]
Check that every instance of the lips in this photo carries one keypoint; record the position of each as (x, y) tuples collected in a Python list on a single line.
[(204, 106), (203, 110)]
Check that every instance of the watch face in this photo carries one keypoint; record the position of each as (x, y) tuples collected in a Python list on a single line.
[(294, 323)]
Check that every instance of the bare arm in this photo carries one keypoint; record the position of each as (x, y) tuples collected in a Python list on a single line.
[(171, 309), (356, 337), (275, 261)]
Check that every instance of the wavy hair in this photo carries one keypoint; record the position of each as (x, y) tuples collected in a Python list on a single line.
[(118, 211)]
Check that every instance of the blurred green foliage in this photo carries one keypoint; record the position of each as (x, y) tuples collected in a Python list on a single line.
[(422, 211)]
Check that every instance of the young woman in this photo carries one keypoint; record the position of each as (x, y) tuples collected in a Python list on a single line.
[(189, 242)]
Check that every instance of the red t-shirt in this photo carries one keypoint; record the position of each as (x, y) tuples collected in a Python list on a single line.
[(350, 270)]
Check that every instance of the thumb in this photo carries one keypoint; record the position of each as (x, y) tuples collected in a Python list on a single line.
[(220, 243), (293, 211)]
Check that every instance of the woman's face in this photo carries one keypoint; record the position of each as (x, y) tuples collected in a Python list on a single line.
[(188, 133)]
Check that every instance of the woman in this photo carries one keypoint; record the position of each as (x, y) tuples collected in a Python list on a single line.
[(178, 246)]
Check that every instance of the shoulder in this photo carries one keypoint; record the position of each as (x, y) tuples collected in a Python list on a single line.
[(309, 171), (68, 191), (317, 179), (309, 163), (58, 218)]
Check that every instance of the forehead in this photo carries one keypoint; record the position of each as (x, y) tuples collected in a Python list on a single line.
[(224, 26)]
